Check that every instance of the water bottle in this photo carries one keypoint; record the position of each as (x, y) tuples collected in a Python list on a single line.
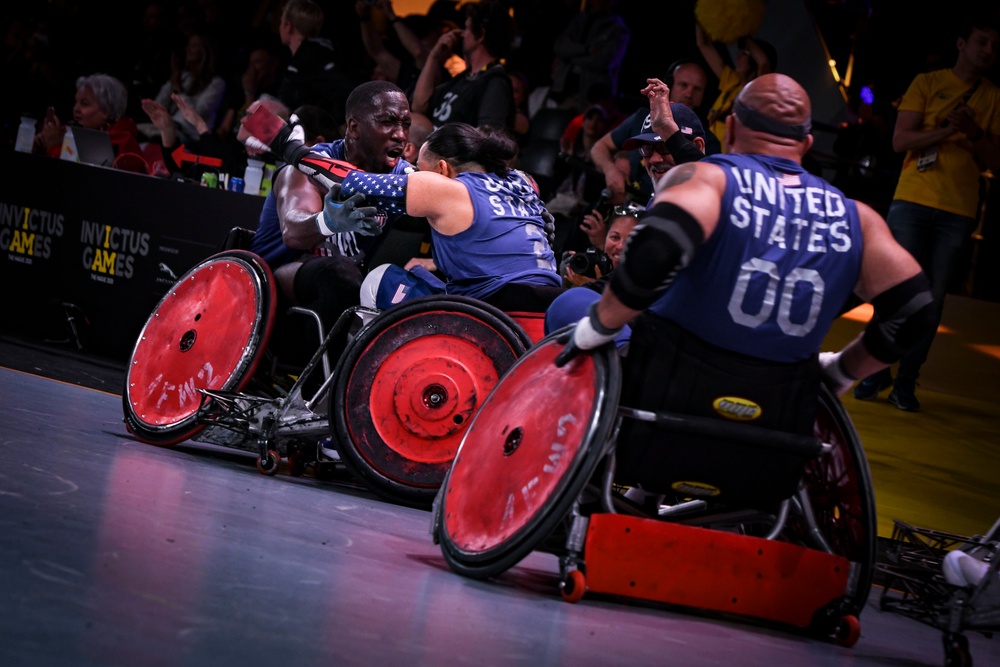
[(253, 176), (25, 135), (69, 147)]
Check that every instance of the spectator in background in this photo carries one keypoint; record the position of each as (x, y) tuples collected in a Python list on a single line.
[(197, 79), (312, 75), (589, 51), (948, 123), (753, 58), (260, 77), (413, 36), (207, 143), (153, 46), (636, 181), (688, 80), (100, 104), (482, 95)]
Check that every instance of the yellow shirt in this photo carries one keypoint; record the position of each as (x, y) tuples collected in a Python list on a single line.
[(952, 183), (730, 86)]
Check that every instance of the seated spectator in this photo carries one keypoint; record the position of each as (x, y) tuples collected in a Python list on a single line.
[(198, 82), (188, 158), (100, 104)]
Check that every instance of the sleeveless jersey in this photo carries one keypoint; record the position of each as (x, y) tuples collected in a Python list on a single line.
[(506, 242), (782, 261)]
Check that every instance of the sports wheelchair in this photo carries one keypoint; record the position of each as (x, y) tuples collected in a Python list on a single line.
[(395, 405), (536, 471)]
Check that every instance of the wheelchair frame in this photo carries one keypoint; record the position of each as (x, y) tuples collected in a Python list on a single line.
[(256, 408), (914, 585), (793, 566)]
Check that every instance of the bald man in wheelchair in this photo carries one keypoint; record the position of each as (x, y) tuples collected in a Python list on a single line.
[(736, 273)]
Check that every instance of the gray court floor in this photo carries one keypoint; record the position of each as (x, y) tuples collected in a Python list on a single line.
[(113, 552)]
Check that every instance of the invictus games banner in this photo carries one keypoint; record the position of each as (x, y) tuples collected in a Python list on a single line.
[(101, 246)]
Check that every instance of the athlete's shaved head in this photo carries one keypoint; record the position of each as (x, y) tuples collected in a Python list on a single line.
[(778, 97)]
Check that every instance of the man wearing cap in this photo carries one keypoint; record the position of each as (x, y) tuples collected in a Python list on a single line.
[(675, 134), (736, 273), (640, 122), (685, 142)]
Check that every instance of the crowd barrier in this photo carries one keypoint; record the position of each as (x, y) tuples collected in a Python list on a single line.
[(101, 246)]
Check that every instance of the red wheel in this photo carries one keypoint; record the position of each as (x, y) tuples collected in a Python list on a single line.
[(296, 464), (573, 586), (526, 458), (408, 386), (840, 491), (268, 465), (208, 332), (849, 631)]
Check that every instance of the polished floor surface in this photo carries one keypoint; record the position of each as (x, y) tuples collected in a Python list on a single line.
[(113, 552)]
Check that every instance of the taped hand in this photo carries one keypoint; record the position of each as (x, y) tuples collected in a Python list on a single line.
[(588, 334), (833, 372)]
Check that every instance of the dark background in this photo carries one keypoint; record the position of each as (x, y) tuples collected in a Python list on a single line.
[(49, 43)]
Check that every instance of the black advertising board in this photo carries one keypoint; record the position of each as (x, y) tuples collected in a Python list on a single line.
[(109, 242)]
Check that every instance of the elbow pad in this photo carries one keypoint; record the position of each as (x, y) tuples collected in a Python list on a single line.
[(662, 243), (904, 316)]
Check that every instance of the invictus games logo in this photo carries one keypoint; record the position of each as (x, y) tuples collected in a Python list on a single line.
[(109, 252), (736, 408), (26, 233)]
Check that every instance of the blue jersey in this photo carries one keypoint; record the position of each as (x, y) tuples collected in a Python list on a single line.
[(350, 244), (506, 242), (779, 266)]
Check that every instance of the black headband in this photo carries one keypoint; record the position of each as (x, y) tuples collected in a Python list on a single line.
[(755, 120)]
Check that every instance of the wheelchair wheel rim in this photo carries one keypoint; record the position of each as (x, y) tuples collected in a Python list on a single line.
[(415, 387), (524, 454), (840, 490), (206, 333)]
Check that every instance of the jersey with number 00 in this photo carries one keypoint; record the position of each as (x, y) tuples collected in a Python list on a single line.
[(781, 263)]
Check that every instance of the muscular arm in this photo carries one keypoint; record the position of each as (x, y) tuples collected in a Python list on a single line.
[(884, 264), (696, 190), (298, 201), (603, 154), (444, 201)]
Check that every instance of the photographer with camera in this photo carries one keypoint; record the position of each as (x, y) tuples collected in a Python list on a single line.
[(595, 263)]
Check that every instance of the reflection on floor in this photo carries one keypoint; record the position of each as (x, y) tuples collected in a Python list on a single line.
[(117, 553)]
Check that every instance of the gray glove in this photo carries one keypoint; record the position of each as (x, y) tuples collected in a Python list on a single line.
[(338, 217)]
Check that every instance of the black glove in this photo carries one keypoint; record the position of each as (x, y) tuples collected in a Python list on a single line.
[(550, 227), (339, 217), (588, 334), (268, 132)]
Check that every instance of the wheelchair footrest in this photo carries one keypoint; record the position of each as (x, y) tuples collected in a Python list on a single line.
[(710, 569)]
